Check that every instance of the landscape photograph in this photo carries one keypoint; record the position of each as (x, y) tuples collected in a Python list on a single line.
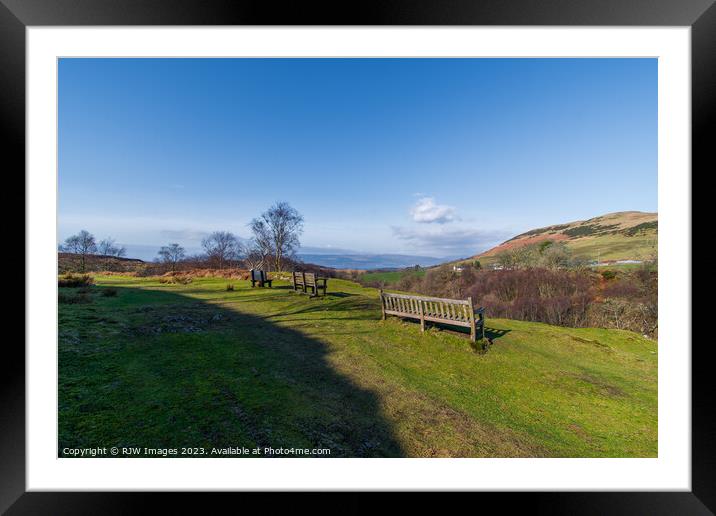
[(357, 258)]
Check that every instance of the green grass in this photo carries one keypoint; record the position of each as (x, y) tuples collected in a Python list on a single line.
[(391, 276), (615, 247), (194, 365)]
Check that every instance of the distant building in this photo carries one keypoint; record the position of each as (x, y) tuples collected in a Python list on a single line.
[(616, 262)]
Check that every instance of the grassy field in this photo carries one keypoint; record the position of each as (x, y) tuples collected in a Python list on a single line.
[(391, 276), (195, 365), (615, 247)]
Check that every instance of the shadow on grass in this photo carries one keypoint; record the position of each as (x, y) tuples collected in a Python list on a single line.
[(491, 334), (494, 333), (327, 295), (278, 287), (484, 345), (134, 372), (367, 309), (341, 294)]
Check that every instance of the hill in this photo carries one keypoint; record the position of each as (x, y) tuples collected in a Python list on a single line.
[(69, 262), (96, 262), (625, 235), (172, 365)]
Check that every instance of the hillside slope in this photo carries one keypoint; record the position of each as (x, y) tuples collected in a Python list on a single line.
[(166, 366), (96, 262), (625, 235)]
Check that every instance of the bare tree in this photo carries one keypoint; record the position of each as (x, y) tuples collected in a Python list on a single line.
[(109, 249), (277, 230), (171, 254), (221, 247), (253, 254), (81, 244)]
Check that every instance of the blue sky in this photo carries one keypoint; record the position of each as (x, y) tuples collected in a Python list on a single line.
[(438, 157)]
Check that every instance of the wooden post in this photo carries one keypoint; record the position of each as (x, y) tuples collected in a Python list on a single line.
[(422, 316), (473, 332), (382, 304)]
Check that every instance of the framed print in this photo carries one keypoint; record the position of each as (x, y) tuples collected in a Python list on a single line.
[(421, 249)]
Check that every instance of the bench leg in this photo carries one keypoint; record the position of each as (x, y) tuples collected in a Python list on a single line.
[(422, 316)]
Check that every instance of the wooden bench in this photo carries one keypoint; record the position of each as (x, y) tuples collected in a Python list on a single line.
[(457, 312), (260, 277), (302, 281)]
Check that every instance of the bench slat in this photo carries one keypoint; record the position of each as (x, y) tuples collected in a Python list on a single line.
[(426, 298), (402, 314), (444, 321)]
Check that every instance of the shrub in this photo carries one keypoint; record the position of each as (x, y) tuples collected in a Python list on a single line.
[(631, 302), (174, 279), (109, 292), (608, 275), (641, 228), (552, 296), (74, 280), (72, 299), (409, 282)]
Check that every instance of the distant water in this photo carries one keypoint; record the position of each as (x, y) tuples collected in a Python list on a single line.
[(337, 260), (370, 261)]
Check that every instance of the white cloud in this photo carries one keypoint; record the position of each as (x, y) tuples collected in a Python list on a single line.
[(426, 210)]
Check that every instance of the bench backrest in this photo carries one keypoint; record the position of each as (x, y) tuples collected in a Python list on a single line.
[(310, 279), (258, 275), (298, 278), (434, 308)]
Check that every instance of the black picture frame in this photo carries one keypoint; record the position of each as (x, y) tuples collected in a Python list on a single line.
[(16, 15)]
